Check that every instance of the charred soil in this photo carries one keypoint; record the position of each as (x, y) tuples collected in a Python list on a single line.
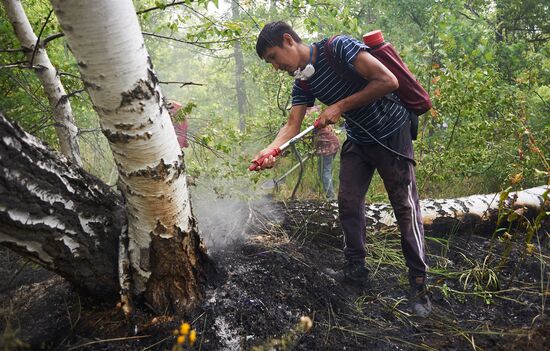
[(483, 298)]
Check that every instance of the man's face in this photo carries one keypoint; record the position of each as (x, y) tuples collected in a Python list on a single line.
[(283, 58)]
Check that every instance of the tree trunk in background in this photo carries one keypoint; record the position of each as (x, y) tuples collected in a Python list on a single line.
[(57, 215), (239, 72), (470, 212), (47, 74), (164, 248), (273, 8)]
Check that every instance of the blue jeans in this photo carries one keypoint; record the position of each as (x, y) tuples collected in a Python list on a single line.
[(325, 173)]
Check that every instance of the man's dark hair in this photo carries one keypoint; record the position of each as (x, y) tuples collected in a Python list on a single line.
[(272, 35)]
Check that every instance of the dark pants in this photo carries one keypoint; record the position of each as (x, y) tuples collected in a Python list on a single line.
[(357, 165)]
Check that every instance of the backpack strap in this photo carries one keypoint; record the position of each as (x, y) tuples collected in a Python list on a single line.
[(341, 68), (345, 72), (304, 85), (336, 65)]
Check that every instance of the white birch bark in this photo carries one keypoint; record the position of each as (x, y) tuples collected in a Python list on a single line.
[(164, 248), (66, 130), (475, 209), (54, 213)]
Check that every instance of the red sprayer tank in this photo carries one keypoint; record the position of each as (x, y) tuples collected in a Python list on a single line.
[(410, 92)]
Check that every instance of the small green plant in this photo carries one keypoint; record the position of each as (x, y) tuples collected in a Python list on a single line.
[(9, 339), (518, 223), (482, 277), (287, 341)]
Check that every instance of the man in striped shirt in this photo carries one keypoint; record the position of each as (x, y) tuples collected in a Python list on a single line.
[(378, 137)]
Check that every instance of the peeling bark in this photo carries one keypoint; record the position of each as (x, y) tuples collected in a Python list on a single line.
[(470, 212), (164, 248), (65, 126), (56, 214)]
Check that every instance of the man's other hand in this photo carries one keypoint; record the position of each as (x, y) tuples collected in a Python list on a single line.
[(330, 115)]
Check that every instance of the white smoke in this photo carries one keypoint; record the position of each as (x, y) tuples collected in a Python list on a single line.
[(226, 217)]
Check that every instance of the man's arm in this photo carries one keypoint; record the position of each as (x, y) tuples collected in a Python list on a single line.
[(381, 82), (289, 130)]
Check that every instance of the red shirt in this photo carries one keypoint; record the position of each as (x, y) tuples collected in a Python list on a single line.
[(181, 132), (326, 141)]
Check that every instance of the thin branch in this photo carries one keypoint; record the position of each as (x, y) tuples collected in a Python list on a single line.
[(39, 35), (18, 64), (73, 93), (247, 13), (492, 25), (453, 131), (66, 97), (69, 75), (538, 40), (52, 37), (39, 103), (173, 3), (198, 13), (108, 340), (170, 38), (465, 15), (197, 43), (89, 130), (541, 98), (183, 83), (416, 20), (12, 50)]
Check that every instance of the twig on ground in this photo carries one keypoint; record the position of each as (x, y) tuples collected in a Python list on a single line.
[(108, 340)]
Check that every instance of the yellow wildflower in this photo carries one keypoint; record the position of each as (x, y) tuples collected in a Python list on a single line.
[(516, 178), (193, 337), (184, 329), (181, 339)]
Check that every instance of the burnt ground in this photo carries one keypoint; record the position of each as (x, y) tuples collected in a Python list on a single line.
[(282, 270)]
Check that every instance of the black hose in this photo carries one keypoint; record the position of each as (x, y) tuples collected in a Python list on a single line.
[(300, 174), (384, 146)]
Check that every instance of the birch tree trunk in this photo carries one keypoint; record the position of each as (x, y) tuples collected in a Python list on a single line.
[(239, 71), (54, 213), (65, 127), (165, 251)]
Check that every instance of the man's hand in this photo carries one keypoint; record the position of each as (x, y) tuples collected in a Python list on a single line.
[(329, 116), (268, 162)]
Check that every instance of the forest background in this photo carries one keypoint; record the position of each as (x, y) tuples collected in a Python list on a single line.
[(486, 65)]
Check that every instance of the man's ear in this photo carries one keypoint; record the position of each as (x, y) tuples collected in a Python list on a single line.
[(288, 39)]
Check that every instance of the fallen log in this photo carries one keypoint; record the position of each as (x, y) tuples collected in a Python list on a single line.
[(477, 213)]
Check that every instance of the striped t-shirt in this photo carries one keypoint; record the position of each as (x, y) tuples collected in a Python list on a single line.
[(381, 118)]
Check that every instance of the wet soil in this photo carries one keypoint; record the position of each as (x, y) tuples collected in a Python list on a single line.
[(284, 269)]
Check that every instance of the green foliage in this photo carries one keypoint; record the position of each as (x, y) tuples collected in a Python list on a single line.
[(22, 98), (485, 64)]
